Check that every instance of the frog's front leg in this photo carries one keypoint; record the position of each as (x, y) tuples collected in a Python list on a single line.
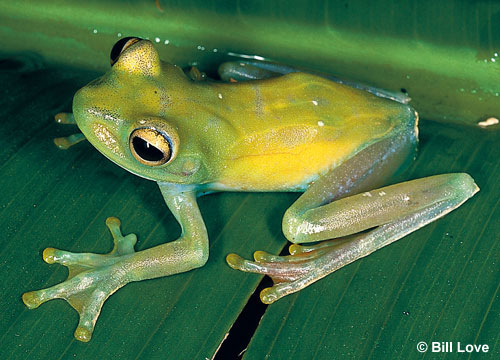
[(392, 211), (66, 142), (93, 278)]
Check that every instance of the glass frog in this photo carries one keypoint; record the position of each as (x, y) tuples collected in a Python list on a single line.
[(296, 132)]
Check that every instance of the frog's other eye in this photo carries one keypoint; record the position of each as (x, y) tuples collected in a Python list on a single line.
[(120, 46), (150, 146)]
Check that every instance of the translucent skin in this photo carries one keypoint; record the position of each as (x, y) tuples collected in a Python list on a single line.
[(296, 132)]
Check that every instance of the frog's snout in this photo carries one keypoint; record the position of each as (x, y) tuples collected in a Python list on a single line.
[(97, 124)]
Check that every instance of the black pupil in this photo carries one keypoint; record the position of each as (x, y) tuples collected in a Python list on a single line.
[(145, 150)]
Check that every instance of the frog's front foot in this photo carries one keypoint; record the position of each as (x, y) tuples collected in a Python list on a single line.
[(64, 143), (91, 280), (291, 273)]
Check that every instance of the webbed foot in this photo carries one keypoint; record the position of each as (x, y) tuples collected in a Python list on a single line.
[(91, 280), (65, 143), (291, 273)]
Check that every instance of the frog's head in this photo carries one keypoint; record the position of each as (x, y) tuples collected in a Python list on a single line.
[(128, 115)]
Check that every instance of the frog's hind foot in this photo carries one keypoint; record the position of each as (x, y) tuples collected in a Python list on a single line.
[(65, 143), (291, 273), (91, 280)]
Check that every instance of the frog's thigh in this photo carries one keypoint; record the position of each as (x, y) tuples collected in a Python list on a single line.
[(423, 199), (368, 169)]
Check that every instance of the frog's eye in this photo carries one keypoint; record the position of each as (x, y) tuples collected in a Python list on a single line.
[(120, 46), (150, 146)]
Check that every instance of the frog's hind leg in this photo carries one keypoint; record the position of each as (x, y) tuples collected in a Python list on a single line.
[(397, 211), (66, 142), (390, 212)]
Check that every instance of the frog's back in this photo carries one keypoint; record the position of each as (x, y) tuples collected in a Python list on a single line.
[(298, 126)]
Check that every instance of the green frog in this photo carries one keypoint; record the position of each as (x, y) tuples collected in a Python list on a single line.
[(295, 132)]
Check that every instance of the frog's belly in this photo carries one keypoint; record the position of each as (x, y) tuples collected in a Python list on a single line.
[(291, 170)]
